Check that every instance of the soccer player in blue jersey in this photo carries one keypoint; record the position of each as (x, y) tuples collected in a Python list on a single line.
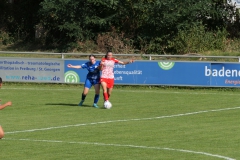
[(92, 79)]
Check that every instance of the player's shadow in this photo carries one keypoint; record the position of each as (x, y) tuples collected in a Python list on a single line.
[(61, 104), (67, 104)]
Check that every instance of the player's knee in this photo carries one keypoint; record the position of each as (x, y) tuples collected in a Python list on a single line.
[(97, 92), (85, 92), (1, 134)]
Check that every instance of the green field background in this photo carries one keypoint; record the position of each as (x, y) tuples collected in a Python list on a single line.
[(157, 123)]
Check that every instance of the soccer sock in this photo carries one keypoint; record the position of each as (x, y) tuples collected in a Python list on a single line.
[(83, 97), (105, 95), (96, 98), (108, 96)]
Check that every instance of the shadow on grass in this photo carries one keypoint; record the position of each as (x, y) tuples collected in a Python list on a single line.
[(70, 104), (64, 104), (74, 105)]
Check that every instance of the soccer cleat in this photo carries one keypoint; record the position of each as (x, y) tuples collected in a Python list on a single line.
[(95, 105), (81, 103)]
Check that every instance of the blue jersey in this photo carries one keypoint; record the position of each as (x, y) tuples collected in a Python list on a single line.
[(93, 71)]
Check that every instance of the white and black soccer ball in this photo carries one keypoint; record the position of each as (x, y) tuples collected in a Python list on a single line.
[(107, 105)]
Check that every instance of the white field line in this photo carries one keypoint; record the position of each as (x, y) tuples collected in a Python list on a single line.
[(124, 120), (119, 90), (129, 146)]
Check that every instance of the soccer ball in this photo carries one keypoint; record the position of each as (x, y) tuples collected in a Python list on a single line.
[(107, 105)]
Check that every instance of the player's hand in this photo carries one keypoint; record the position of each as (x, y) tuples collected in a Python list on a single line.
[(69, 66), (100, 67), (9, 103), (102, 63), (132, 60)]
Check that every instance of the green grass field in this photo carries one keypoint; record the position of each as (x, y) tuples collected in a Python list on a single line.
[(45, 122)]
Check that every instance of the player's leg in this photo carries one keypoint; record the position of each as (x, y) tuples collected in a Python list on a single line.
[(1, 132), (104, 87), (87, 86), (110, 87), (109, 91), (84, 94), (96, 97)]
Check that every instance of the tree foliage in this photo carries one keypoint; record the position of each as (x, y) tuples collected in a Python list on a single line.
[(152, 26)]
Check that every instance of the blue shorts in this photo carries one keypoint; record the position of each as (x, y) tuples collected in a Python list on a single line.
[(91, 82)]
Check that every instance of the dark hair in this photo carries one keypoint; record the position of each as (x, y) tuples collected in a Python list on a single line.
[(91, 55), (0, 80), (107, 53)]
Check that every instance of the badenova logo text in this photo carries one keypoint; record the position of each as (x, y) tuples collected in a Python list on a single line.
[(222, 72), (71, 77), (166, 65)]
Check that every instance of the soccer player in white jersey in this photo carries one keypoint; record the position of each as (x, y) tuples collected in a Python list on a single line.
[(1, 107), (107, 77)]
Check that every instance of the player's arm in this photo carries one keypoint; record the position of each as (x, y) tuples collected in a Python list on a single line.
[(100, 67), (72, 66), (5, 105), (127, 62)]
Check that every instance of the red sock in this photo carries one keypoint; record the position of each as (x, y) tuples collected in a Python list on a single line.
[(108, 96), (105, 95)]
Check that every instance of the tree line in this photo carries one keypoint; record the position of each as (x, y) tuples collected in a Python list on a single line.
[(123, 26)]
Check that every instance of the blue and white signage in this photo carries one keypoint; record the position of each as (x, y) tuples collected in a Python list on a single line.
[(208, 74), (31, 70)]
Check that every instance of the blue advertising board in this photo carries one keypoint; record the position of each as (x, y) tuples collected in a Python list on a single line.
[(206, 74), (31, 70), (224, 74), (148, 73)]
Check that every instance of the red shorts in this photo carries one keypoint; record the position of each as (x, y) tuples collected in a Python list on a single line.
[(108, 81)]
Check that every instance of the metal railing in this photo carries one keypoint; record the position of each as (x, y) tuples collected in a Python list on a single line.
[(150, 56)]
